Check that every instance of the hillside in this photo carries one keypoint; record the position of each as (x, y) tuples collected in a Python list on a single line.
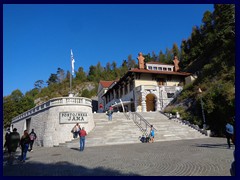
[(209, 53)]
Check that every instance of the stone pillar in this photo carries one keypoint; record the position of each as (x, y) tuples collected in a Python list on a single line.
[(136, 105), (128, 86), (119, 93), (161, 99), (114, 94), (123, 89), (158, 104), (144, 106)]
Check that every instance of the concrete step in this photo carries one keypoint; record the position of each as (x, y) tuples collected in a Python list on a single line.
[(124, 131)]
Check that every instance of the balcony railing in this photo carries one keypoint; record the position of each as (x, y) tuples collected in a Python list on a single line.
[(55, 102)]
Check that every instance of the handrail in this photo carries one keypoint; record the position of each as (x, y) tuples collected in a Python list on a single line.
[(140, 121)]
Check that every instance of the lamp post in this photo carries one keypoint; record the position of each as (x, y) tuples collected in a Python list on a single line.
[(203, 115)]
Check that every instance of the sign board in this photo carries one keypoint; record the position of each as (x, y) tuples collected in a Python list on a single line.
[(72, 117)]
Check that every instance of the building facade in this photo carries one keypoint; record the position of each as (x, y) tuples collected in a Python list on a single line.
[(150, 87)]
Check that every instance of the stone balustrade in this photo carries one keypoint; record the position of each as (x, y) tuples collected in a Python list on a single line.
[(55, 102)]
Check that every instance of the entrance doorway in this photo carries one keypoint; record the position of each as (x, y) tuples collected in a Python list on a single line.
[(161, 81), (150, 102), (28, 123)]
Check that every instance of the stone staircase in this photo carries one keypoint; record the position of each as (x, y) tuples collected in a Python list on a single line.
[(168, 130), (118, 131), (123, 131)]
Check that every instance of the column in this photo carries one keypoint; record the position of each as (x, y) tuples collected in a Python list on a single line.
[(144, 107), (158, 105)]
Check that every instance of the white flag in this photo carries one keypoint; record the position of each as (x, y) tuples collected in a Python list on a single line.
[(72, 60)]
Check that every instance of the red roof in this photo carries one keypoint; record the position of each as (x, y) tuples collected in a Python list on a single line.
[(106, 84), (159, 72)]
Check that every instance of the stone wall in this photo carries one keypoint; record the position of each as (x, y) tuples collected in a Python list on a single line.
[(46, 121)]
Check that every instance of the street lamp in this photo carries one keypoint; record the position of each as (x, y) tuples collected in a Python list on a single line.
[(203, 115)]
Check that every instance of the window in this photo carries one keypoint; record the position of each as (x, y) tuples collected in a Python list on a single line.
[(169, 69), (164, 69), (154, 68), (150, 67), (170, 95), (169, 78), (160, 68)]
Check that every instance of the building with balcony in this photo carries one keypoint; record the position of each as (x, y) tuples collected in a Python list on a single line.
[(150, 87)]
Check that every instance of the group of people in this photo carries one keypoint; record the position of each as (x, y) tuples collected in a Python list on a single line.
[(149, 138), (13, 141), (78, 131)]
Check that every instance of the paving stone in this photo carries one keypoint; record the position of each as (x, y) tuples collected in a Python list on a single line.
[(194, 157)]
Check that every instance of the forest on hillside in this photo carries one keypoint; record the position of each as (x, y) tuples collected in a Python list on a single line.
[(209, 53)]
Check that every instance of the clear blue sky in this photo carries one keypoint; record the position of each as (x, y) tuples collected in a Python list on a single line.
[(37, 38)]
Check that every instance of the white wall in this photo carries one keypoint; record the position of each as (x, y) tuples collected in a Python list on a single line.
[(48, 128)]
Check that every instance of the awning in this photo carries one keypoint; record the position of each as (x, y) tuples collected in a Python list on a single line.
[(120, 104)]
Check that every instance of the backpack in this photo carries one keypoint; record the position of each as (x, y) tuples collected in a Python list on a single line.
[(32, 137)]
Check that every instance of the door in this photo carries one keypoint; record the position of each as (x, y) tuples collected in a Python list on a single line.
[(150, 102)]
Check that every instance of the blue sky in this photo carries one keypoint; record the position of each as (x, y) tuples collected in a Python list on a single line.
[(37, 38)]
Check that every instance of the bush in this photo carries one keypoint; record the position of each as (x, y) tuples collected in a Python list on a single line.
[(168, 109)]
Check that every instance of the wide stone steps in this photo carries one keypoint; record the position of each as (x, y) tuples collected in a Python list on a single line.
[(124, 131), (170, 128), (118, 131)]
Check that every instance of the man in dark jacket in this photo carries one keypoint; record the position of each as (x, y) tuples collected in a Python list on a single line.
[(13, 143), (32, 136), (6, 139)]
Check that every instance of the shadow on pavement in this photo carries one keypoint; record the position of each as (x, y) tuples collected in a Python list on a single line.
[(61, 168), (220, 146), (76, 149)]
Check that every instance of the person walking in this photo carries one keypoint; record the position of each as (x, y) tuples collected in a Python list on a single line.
[(229, 132), (151, 134), (233, 168), (24, 142), (13, 143), (75, 130), (6, 139), (82, 135), (109, 113), (33, 137), (100, 107)]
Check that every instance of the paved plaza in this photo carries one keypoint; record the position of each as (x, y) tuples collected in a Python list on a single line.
[(196, 157)]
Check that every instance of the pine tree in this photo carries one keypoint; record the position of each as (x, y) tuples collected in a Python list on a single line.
[(175, 50), (162, 58)]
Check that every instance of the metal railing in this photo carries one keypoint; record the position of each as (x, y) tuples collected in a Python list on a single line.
[(140, 121)]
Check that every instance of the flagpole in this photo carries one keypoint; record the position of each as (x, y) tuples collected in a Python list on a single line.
[(71, 74)]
